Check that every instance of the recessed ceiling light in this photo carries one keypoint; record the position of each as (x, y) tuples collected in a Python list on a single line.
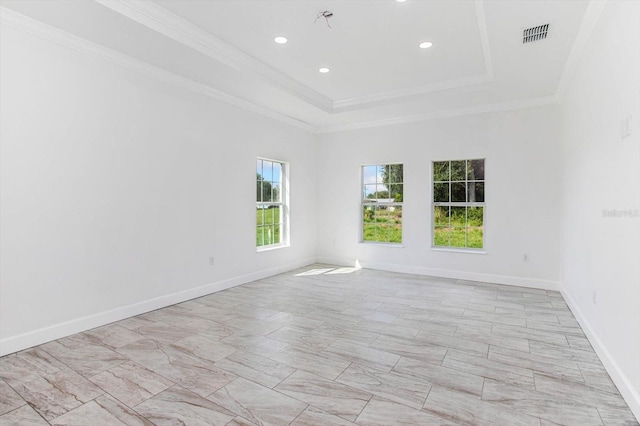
[(280, 40), (400, 1), (324, 70), (425, 45)]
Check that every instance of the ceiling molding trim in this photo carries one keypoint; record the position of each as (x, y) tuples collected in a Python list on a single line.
[(398, 95), (81, 45), (479, 109), (165, 22), (587, 27)]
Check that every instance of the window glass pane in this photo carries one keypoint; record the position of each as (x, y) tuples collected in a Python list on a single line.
[(275, 192), (441, 236), (370, 191), (382, 232), (395, 192), (369, 223), (475, 192), (392, 173), (369, 174), (267, 170), (441, 192), (277, 228), (382, 184), (441, 215), (458, 170), (474, 237), (458, 237), (461, 225), (475, 169), (458, 192), (441, 171), (475, 216), (259, 236), (259, 189), (395, 224), (379, 171), (277, 172), (381, 192), (259, 169), (458, 217), (259, 216)]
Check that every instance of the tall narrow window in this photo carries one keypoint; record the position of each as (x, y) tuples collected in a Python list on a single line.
[(382, 196), (458, 204), (271, 205)]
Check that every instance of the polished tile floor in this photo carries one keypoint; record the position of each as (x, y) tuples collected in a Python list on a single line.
[(324, 346)]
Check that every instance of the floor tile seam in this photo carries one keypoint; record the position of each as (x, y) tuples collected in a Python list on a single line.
[(319, 408), (605, 394), (24, 402), (552, 397), (172, 383), (30, 406)]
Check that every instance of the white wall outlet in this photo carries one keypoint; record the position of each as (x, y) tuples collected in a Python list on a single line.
[(212, 260), (595, 295), (525, 257)]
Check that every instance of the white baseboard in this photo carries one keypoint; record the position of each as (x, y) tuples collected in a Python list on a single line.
[(448, 273), (57, 331), (630, 394)]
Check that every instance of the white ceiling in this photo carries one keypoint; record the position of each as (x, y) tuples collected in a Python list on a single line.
[(225, 49)]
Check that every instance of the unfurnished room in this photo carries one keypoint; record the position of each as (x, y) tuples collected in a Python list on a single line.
[(445, 227)]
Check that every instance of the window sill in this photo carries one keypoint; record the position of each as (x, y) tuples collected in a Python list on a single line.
[(459, 250), (271, 247), (373, 243)]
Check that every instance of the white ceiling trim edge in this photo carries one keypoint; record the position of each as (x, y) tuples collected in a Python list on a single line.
[(165, 22), (479, 109), (399, 95), (403, 94), (587, 27), (79, 44), (156, 17)]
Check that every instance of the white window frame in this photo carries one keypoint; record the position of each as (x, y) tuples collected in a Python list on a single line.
[(365, 202), (282, 204), (478, 250)]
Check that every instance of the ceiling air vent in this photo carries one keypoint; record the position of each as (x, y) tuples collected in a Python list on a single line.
[(532, 34)]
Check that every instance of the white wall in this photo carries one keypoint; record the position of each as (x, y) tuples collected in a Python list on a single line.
[(116, 188), (601, 255), (522, 192)]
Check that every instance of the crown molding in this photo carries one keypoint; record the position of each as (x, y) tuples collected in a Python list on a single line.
[(480, 109), (156, 17), (587, 27), (404, 94), (167, 23), (81, 45)]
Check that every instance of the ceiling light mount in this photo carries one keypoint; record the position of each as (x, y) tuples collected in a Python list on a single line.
[(280, 39), (425, 44), (326, 14)]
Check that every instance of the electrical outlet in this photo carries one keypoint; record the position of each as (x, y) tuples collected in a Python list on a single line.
[(211, 261), (525, 258), (595, 294)]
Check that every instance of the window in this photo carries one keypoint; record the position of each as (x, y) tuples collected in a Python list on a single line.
[(382, 194), (458, 204), (271, 205)]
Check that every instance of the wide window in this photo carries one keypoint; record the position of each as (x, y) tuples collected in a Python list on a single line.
[(382, 196), (271, 207), (458, 204)]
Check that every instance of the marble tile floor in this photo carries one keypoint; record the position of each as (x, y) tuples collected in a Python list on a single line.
[(324, 345)]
